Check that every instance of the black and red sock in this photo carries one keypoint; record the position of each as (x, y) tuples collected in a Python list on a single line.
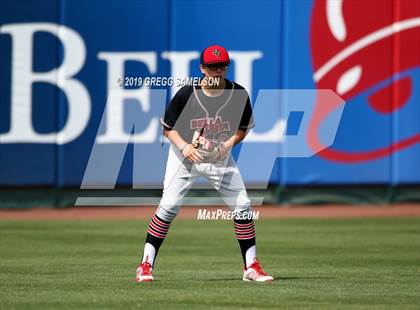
[(245, 233), (156, 234)]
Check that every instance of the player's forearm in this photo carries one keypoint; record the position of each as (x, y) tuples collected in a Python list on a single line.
[(175, 138), (235, 139), (185, 148)]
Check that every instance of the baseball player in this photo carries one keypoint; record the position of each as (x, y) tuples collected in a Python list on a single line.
[(203, 122)]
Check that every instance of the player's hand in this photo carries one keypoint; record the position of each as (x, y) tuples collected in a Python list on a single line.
[(192, 154)]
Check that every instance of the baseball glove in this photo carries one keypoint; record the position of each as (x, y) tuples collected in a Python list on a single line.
[(208, 149)]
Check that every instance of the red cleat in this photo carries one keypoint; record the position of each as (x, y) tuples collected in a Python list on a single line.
[(144, 273), (256, 273)]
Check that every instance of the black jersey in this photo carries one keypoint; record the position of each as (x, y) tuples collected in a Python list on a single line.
[(221, 116)]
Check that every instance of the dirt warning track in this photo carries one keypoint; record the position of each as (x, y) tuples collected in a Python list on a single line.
[(143, 212)]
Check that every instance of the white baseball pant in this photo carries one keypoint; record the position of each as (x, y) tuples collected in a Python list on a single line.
[(181, 174)]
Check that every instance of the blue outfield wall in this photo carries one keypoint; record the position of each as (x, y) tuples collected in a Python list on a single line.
[(59, 60)]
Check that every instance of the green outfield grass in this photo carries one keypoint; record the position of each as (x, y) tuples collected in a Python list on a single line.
[(323, 264)]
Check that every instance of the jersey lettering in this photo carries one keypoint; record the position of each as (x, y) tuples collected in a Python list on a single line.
[(214, 126)]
